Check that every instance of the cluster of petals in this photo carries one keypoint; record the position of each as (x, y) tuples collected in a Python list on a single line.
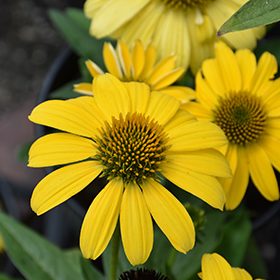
[(214, 266), (139, 65), (192, 163), (239, 73), (189, 29)]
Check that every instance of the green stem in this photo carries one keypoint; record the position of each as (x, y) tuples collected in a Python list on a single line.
[(172, 258), (114, 253)]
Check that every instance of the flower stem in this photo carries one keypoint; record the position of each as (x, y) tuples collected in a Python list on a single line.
[(114, 253)]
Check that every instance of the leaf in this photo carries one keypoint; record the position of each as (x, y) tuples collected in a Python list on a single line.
[(35, 257), (254, 13), (4, 277), (72, 28)]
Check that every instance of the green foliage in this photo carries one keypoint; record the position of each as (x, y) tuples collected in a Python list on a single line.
[(36, 258), (254, 13)]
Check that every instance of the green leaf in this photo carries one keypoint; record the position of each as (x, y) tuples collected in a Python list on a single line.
[(78, 16), (72, 28), (254, 13), (4, 277), (35, 257), (22, 151)]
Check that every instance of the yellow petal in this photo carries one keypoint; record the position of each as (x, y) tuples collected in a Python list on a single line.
[(138, 59), (203, 186), (111, 60), (136, 225), (262, 172), (93, 68), (181, 118), (201, 112), (273, 127), (214, 266), (196, 136), (266, 69), (232, 158), (184, 94), (62, 184), (205, 94), (90, 7), (101, 219), (124, 57), (213, 76), (271, 146), (111, 96), (240, 181), (162, 107), (73, 115), (247, 64), (230, 71), (273, 107), (60, 148), (170, 215), (167, 79), (150, 58), (209, 161), (84, 88), (115, 16), (167, 41), (161, 68), (139, 96), (241, 274)]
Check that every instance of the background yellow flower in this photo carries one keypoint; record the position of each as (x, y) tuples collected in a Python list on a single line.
[(186, 27), (241, 97), (139, 65)]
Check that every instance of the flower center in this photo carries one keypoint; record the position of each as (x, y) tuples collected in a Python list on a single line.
[(131, 148), (183, 4), (241, 117)]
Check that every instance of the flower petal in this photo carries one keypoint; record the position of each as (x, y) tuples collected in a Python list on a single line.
[(115, 16), (93, 68), (180, 119), (273, 127), (196, 136), (162, 107), (111, 60), (84, 88), (209, 161), (101, 219), (262, 172), (150, 58), (73, 115), (239, 183), (124, 57), (60, 148), (202, 186), (136, 225), (139, 96), (247, 64), (170, 215), (201, 112), (111, 96), (214, 266), (184, 94), (62, 184), (241, 274), (167, 79), (266, 69), (138, 59), (230, 71), (162, 67)]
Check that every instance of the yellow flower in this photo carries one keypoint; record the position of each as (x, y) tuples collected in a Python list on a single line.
[(214, 266), (186, 27), (128, 134), (139, 65), (241, 97)]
